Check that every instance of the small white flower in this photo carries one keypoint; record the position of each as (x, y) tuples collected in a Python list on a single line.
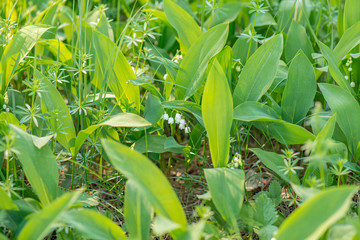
[(165, 76), (177, 118), (352, 84), (346, 77), (182, 126), (7, 110), (165, 116), (171, 120), (182, 121), (238, 68), (4, 106), (187, 130), (350, 69)]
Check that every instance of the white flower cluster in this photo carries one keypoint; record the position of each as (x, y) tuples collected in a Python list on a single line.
[(6, 108), (236, 162), (178, 120)]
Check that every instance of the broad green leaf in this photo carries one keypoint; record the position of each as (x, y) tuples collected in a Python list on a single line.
[(53, 103), (16, 51), (3, 237), (163, 225), (6, 202), (217, 111), (158, 144), (289, 133), (92, 224), (104, 26), (148, 85), (334, 69), (328, 130), (276, 163), (263, 19), (351, 13), (9, 117), (113, 68), (148, 179), (44, 221), (186, 27), (299, 91), (241, 48), (118, 120), (225, 59), (342, 231), (227, 12), (297, 39), (138, 213), (255, 111), (319, 213), (349, 40), (39, 142), (58, 48), (153, 109), (303, 192), (227, 189), (192, 68), (347, 111), (286, 12), (259, 71), (159, 14), (39, 165), (150, 143), (48, 16), (66, 19)]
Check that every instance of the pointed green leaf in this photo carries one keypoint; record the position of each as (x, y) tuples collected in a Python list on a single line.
[(192, 68), (349, 40), (259, 71), (153, 109), (118, 120), (289, 133), (186, 27), (255, 111), (39, 165), (227, 12), (43, 222), (347, 111), (6, 202), (297, 39), (351, 13), (138, 213), (113, 67), (51, 102), (319, 213), (148, 179), (334, 69), (217, 111), (299, 91), (16, 51), (92, 224), (275, 162), (328, 130), (227, 189)]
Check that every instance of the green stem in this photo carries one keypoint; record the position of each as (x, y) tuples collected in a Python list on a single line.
[(202, 15)]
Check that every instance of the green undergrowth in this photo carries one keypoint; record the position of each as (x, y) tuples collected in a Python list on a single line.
[(187, 119)]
